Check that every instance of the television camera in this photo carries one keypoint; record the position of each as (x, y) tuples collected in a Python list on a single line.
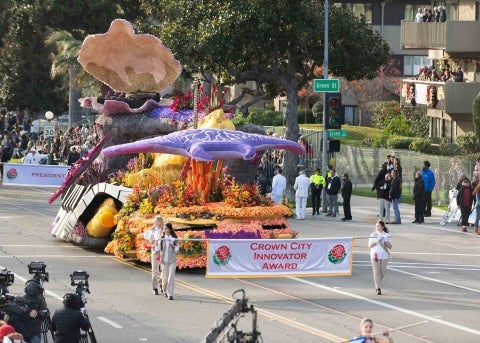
[(79, 278), (6, 279), (22, 306), (38, 269)]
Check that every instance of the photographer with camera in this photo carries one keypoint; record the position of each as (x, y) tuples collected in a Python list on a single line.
[(67, 321), (27, 312)]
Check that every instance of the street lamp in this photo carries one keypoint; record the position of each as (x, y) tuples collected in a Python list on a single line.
[(49, 116)]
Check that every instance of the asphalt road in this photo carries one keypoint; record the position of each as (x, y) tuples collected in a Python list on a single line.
[(432, 279)]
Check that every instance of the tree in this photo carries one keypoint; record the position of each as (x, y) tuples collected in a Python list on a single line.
[(368, 90), (24, 61), (476, 117), (64, 62), (279, 42)]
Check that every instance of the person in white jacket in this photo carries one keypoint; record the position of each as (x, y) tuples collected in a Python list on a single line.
[(279, 183), (153, 237), (301, 186)]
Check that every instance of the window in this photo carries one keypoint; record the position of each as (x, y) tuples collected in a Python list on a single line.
[(451, 8), (357, 9), (412, 64), (361, 9)]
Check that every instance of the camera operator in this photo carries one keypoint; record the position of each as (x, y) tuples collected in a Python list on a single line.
[(27, 312), (67, 321)]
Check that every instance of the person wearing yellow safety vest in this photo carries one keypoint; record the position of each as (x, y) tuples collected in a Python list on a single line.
[(317, 182)]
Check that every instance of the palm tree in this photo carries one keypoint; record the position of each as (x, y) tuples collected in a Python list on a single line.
[(65, 63)]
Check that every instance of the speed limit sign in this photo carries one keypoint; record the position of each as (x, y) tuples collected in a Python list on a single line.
[(49, 130)]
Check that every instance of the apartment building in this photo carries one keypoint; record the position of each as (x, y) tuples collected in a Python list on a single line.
[(452, 44)]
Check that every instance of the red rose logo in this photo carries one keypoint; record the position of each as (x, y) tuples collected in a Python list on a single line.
[(12, 173), (338, 251), (222, 255), (337, 254), (223, 252)]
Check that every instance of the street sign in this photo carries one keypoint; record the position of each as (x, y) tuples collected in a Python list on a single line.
[(49, 130), (326, 85), (337, 133)]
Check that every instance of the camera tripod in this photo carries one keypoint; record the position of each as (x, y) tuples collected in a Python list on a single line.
[(79, 278), (37, 268)]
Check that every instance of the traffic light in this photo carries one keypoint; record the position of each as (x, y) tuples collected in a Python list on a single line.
[(333, 145), (334, 110)]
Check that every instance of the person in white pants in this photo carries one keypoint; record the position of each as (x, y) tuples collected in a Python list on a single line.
[(380, 242), (153, 237), (301, 186), (169, 260)]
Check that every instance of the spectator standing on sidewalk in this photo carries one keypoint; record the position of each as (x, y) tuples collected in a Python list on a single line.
[(476, 194), (301, 186), (419, 197), (333, 187), (317, 184), (395, 194), (324, 193), (429, 181), (465, 201), (346, 195), (384, 198)]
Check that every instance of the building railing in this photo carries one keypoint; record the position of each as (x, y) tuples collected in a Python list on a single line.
[(451, 97), (457, 38)]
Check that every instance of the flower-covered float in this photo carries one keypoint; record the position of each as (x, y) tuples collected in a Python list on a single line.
[(199, 179)]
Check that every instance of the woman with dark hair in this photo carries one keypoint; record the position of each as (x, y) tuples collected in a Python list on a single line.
[(465, 201), (169, 259), (379, 243), (67, 321)]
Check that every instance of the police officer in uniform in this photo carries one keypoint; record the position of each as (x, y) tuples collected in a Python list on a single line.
[(317, 182)]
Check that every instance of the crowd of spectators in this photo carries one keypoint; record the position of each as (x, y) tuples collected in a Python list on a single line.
[(446, 74), (426, 15), (19, 141)]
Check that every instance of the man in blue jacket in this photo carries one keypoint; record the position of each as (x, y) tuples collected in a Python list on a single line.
[(429, 180)]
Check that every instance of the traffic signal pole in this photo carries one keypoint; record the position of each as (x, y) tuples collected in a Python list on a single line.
[(325, 76)]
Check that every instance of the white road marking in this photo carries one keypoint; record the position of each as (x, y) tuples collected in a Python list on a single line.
[(392, 307), (110, 322), (435, 280)]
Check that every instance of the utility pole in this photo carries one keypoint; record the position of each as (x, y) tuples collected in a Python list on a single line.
[(325, 76)]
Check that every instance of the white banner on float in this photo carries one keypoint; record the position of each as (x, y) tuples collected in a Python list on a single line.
[(38, 175), (279, 257)]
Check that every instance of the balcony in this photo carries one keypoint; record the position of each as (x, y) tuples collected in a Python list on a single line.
[(456, 38), (453, 98)]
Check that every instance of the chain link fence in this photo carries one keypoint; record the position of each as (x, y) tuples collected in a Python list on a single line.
[(362, 164)]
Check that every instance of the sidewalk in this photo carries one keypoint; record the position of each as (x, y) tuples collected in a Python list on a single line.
[(365, 211)]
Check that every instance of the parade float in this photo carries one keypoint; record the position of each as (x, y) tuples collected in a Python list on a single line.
[(195, 168)]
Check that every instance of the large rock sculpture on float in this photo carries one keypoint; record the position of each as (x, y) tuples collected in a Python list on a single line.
[(129, 62)]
